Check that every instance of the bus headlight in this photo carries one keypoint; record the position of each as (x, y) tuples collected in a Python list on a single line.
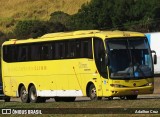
[(149, 84)]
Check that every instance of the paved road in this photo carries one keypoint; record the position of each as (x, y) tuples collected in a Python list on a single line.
[(150, 96)]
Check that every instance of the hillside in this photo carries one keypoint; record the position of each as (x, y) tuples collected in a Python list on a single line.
[(11, 10), (37, 8)]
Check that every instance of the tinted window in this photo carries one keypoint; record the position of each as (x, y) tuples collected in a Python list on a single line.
[(99, 54), (65, 49)]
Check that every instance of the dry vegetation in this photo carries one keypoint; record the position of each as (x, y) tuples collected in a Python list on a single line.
[(40, 9), (13, 10)]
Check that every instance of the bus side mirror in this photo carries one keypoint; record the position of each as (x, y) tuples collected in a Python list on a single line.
[(154, 57)]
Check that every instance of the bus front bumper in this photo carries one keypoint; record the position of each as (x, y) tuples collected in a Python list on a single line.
[(131, 91)]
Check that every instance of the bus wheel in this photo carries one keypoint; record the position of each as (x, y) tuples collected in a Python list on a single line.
[(93, 93), (24, 95), (33, 95), (131, 97), (122, 97), (110, 98)]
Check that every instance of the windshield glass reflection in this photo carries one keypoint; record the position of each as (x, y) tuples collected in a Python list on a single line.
[(129, 58)]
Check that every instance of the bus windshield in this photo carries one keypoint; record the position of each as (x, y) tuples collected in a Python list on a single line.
[(129, 58)]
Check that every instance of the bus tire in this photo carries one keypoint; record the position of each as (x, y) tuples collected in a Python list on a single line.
[(122, 97), (33, 95), (93, 93), (110, 98), (131, 97), (24, 95)]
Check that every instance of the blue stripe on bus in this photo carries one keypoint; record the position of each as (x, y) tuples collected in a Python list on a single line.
[(149, 38)]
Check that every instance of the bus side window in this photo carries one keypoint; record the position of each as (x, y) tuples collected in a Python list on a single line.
[(8, 53), (50, 51), (6, 56), (56, 50), (35, 52), (22, 53), (67, 49), (77, 49), (53, 51), (61, 49), (46, 52), (12, 53), (70, 49), (86, 50), (14, 56)]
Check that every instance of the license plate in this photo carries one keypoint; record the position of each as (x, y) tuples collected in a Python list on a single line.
[(135, 91)]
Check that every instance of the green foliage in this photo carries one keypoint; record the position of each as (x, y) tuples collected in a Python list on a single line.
[(61, 21), (1, 34), (136, 15), (92, 16), (60, 17), (35, 28), (56, 27), (29, 28), (2, 37)]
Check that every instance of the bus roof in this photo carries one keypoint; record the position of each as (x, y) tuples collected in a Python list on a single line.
[(78, 34), (95, 33)]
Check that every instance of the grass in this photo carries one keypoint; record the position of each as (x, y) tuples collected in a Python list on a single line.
[(7, 24), (139, 103), (116, 103)]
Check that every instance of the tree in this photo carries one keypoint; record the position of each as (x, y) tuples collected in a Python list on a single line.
[(30, 29), (35, 28), (60, 17), (92, 16), (2, 37), (1, 34), (135, 15), (56, 27)]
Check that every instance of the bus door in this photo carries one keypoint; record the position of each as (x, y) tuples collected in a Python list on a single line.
[(100, 60), (104, 76)]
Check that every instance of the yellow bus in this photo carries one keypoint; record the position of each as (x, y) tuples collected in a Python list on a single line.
[(67, 65)]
